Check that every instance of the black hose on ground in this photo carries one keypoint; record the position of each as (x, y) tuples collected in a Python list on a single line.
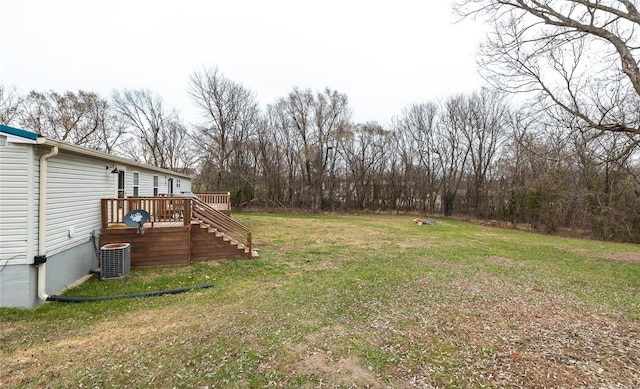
[(70, 299)]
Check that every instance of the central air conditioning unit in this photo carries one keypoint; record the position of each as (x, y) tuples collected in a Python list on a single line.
[(115, 260)]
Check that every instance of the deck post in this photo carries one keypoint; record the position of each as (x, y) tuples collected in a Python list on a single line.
[(103, 207), (187, 211)]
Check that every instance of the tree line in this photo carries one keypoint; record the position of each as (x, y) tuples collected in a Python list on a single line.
[(566, 156), (471, 155)]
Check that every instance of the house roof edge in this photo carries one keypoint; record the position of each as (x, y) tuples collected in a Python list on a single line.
[(32, 137), (109, 158)]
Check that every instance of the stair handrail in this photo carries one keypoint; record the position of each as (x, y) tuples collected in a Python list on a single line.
[(222, 223)]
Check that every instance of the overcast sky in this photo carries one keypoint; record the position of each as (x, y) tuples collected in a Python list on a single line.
[(384, 55)]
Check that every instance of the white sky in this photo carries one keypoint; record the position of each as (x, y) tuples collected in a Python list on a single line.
[(384, 55)]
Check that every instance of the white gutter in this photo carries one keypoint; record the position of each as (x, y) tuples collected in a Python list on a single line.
[(42, 223), (107, 157)]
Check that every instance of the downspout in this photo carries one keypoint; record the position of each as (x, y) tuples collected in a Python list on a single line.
[(41, 260)]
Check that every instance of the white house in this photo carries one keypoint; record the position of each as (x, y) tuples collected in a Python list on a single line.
[(50, 213)]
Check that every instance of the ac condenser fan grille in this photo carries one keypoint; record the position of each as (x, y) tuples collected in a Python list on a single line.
[(115, 260)]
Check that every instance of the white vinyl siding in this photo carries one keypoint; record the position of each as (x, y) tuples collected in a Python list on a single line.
[(75, 186), (17, 204), (146, 183), (162, 185)]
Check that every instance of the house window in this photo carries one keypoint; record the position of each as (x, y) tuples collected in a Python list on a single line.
[(177, 182), (121, 189), (155, 185), (136, 183)]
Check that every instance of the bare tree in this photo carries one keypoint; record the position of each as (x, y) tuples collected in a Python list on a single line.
[(392, 175), (299, 110), (606, 181), (580, 55), (230, 119), (415, 130), (364, 150), (178, 147), (333, 120), (10, 105), (283, 147), (270, 162), (452, 154), (513, 166), (157, 137), (487, 116), (318, 122), (81, 118)]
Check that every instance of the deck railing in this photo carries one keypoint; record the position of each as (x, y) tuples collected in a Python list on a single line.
[(176, 209), (223, 223), (160, 209), (220, 201)]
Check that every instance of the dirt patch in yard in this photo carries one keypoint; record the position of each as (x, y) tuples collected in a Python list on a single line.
[(7, 328), (624, 257), (346, 372), (330, 365), (502, 261), (629, 257)]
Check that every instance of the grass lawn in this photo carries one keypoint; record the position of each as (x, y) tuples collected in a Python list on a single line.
[(350, 301)]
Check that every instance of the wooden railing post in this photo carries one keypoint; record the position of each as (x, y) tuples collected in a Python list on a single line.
[(187, 211), (104, 212)]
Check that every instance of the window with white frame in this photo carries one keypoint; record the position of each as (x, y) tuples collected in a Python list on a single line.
[(177, 182), (155, 185), (136, 183)]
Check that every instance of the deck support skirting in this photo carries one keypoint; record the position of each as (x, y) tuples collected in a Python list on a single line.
[(169, 246)]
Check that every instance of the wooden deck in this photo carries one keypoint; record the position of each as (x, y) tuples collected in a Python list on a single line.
[(180, 230), (220, 201), (146, 225)]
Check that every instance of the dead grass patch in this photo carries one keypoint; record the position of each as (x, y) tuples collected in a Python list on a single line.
[(7, 328), (319, 356), (503, 261), (489, 236), (624, 257), (347, 372), (517, 335), (125, 334), (629, 256), (313, 265), (415, 244)]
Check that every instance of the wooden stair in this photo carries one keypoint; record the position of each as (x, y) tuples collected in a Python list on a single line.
[(224, 239), (222, 227)]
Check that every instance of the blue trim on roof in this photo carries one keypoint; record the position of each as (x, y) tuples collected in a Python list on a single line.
[(18, 132)]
